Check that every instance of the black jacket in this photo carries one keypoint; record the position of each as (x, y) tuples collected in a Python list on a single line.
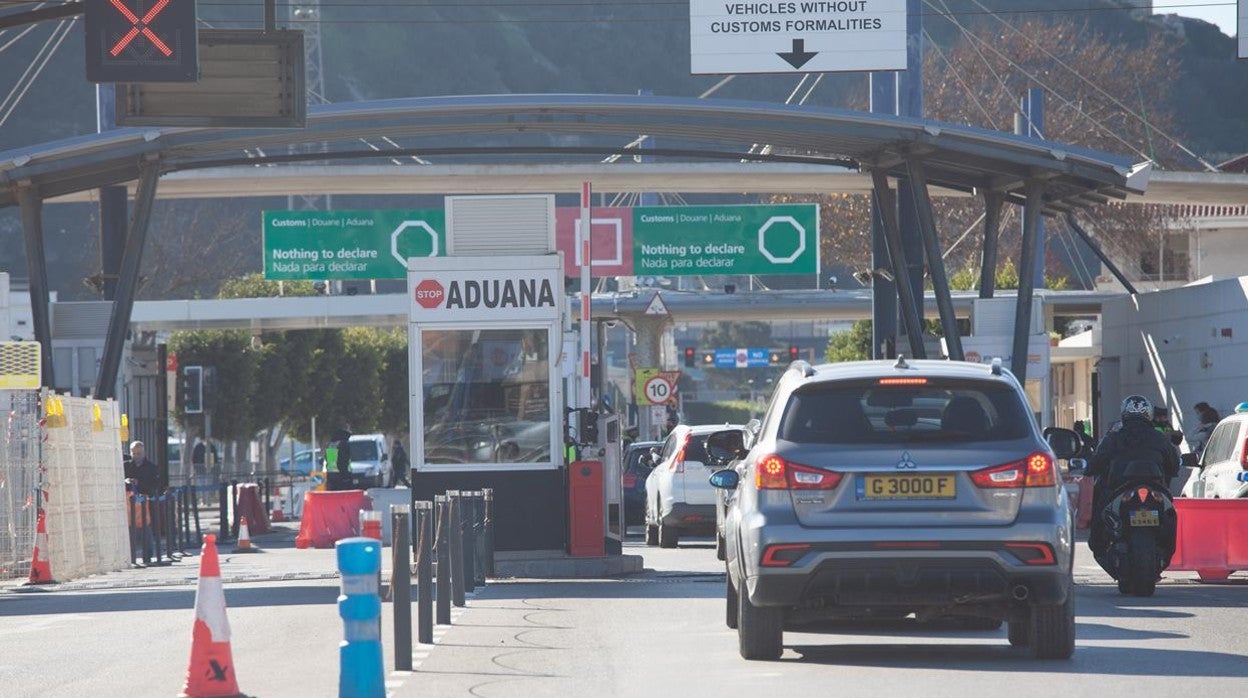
[(342, 439), (1134, 440)]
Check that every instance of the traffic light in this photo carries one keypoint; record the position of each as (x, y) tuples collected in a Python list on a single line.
[(793, 352), (141, 41), (589, 427), (192, 389), (773, 358), (689, 357)]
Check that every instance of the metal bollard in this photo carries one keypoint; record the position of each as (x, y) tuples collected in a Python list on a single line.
[(361, 673), (478, 537), (199, 534), (401, 585), (443, 546), (222, 493), (154, 524), (456, 504), (424, 572), (468, 521), (234, 509), (145, 513), (268, 496), (487, 501)]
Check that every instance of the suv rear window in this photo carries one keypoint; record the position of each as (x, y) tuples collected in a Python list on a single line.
[(864, 412)]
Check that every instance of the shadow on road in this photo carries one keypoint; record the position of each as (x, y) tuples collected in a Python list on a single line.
[(164, 600), (1115, 661), (648, 586)]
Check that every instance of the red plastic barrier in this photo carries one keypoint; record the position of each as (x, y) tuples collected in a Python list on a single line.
[(328, 517), (249, 504), (1212, 537)]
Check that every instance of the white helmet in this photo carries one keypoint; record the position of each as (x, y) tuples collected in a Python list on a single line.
[(1137, 405)]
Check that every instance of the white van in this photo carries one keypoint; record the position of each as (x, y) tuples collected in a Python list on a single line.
[(1223, 470), (370, 460)]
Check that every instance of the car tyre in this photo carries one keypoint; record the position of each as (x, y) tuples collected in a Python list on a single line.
[(1052, 629), (721, 552), (731, 601), (652, 535), (760, 629), (1019, 632), (667, 536)]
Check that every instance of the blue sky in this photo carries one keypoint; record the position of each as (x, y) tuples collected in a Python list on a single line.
[(1220, 12)]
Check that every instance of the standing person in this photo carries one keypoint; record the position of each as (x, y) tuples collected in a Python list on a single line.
[(338, 473), (399, 465), (142, 473), (1209, 419)]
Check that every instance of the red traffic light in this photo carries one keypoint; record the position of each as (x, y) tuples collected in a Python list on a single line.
[(689, 356), (793, 351)]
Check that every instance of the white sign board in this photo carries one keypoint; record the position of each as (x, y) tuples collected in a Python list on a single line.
[(1243, 28), (796, 37), (980, 349), (473, 289)]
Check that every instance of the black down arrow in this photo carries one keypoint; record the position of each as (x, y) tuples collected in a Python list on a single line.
[(798, 57)]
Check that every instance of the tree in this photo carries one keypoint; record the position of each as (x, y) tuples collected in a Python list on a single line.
[(1006, 278), (229, 400), (395, 391), (853, 344)]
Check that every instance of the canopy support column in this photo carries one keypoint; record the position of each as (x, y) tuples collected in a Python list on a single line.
[(887, 206), (37, 269), (994, 201), (1026, 281), (935, 260)]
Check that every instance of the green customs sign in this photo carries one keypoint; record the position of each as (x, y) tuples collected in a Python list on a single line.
[(690, 240), (349, 244)]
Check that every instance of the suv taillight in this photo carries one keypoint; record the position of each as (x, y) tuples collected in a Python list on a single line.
[(678, 463), (1034, 471), (775, 473)]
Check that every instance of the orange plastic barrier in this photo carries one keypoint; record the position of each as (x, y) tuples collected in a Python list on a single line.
[(328, 517), (250, 506), (1212, 537)]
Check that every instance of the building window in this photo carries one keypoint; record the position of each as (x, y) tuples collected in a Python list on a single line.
[(1171, 264)]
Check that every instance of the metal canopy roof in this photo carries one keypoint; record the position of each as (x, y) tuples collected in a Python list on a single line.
[(447, 128)]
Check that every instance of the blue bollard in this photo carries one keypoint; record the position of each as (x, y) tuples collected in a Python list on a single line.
[(361, 674)]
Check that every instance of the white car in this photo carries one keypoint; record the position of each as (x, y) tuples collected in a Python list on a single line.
[(679, 497), (370, 460), (1224, 463)]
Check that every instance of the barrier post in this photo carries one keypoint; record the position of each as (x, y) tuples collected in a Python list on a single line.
[(199, 534), (488, 515), (469, 544), (361, 672), (184, 519), (455, 502), (478, 537), (443, 593), (145, 529), (401, 584), (153, 520), (424, 572), (132, 515), (268, 497), (234, 516), (222, 493)]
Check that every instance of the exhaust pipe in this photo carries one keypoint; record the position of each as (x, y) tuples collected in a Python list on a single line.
[(1020, 592)]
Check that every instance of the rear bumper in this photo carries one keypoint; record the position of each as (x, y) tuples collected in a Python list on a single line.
[(691, 516), (950, 579)]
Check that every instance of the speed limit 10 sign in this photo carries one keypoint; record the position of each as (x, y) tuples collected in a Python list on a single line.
[(658, 391)]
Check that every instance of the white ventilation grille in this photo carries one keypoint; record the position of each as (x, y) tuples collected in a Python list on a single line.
[(500, 225), (994, 317)]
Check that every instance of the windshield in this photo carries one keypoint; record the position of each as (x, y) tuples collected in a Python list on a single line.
[(363, 450), (861, 412)]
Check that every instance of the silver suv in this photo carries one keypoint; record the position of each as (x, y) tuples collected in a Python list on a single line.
[(881, 489)]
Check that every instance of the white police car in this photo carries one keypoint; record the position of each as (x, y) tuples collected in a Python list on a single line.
[(1224, 463)]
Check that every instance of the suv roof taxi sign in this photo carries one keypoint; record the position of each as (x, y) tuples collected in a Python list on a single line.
[(430, 294)]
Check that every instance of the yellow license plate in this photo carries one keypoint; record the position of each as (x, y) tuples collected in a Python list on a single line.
[(1145, 518), (908, 487)]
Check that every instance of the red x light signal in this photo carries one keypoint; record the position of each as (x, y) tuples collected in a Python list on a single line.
[(137, 41), (140, 26)]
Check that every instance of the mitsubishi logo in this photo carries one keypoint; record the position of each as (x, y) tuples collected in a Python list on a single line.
[(906, 463), (140, 25)]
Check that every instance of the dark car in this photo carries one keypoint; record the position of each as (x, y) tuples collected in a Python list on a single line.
[(638, 461)]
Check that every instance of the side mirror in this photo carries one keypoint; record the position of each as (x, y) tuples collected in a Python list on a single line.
[(1189, 460), (724, 446), (727, 479), (1078, 465), (1064, 442), (646, 460)]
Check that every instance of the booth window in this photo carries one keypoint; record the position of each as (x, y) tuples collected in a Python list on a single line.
[(487, 396)]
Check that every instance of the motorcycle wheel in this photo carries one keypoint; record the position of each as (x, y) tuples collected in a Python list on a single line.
[(1142, 562)]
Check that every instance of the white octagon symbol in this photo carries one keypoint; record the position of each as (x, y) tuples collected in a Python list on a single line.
[(801, 240), (394, 239)]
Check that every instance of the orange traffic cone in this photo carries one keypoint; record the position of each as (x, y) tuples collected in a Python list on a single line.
[(211, 672), (40, 567), (244, 538)]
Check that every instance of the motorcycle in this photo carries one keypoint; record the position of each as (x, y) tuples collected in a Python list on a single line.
[(1135, 538), (1140, 524)]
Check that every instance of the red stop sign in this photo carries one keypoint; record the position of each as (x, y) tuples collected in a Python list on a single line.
[(429, 294)]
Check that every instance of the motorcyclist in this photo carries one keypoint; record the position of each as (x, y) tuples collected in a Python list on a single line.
[(1132, 440)]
